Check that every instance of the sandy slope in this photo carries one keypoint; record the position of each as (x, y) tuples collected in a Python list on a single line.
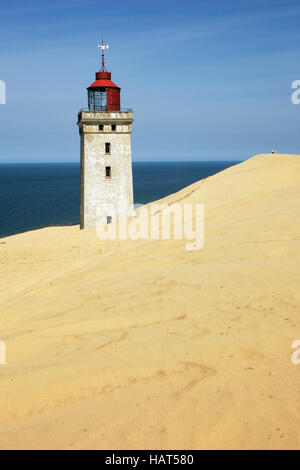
[(142, 344)]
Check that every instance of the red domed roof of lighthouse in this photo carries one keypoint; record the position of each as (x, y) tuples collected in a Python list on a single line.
[(103, 79)]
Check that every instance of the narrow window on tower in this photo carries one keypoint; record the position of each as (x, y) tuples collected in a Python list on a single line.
[(107, 172), (107, 147), (113, 127), (100, 127), (109, 219)]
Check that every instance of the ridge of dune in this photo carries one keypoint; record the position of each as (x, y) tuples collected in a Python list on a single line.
[(122, 344)]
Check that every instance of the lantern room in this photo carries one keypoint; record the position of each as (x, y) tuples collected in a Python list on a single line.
[(103, 94)]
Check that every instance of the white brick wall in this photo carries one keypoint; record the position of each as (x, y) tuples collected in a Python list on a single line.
[(101, 197)]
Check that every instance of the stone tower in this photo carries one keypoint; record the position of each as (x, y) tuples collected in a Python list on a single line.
[(106, 193)]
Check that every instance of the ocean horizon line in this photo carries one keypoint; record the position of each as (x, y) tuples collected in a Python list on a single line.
[(134, 161)]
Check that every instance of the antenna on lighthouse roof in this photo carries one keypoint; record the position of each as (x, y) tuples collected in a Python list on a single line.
[(103, 47)]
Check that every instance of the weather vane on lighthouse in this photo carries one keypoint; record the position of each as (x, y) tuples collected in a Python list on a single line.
[(103, 47)]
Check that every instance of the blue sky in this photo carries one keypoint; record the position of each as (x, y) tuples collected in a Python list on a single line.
[(207, 80)]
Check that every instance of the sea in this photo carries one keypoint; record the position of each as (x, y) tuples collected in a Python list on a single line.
[(36, 195)]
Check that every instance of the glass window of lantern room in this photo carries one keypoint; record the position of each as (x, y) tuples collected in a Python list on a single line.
[(100, 99), (90, 99), (97, 99)]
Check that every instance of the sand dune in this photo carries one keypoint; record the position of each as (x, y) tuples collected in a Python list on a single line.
[(141, 344)]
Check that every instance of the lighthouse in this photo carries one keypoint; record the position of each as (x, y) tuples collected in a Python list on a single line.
[(106, 193)]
